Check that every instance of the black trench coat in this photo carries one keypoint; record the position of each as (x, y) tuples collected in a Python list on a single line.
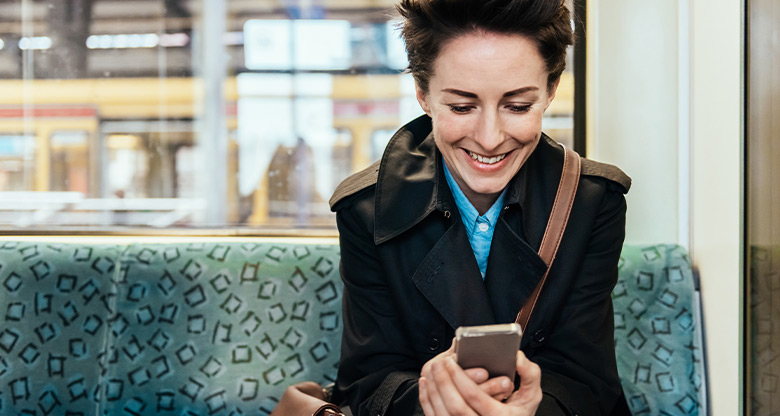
[(410, 276)]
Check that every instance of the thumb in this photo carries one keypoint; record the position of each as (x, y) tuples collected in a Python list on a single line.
[(529, 372)]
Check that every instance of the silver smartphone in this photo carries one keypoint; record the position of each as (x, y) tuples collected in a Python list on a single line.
[(492, 347)]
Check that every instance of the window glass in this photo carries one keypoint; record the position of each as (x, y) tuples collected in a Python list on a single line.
[(199, 113), (69, 161), (16, 162), (762, 211)]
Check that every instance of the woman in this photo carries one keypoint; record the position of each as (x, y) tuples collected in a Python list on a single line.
[(444, 231)]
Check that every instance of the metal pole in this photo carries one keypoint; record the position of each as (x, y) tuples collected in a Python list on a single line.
[(213, 139), (28, 92)]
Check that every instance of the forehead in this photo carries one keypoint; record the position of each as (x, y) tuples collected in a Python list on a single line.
[(479, 57)]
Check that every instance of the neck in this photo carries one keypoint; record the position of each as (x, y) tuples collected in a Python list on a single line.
[(482, 202)]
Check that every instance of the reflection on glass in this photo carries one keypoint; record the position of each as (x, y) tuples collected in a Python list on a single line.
[(105, 109), (298, 44), (70, 161), (16, 162), (127, 166)]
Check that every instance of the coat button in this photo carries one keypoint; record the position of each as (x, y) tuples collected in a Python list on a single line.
[(433, 344), (539, 336)]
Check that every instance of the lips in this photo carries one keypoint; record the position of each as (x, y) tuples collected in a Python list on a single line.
[(488, 160)]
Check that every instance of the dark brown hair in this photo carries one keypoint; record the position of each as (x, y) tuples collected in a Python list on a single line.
[(430, 23)]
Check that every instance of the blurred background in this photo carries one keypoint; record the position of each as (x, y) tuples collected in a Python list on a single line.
[(199, 113)]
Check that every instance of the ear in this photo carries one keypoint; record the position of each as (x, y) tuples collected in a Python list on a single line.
[(421, 98), (551, 93)]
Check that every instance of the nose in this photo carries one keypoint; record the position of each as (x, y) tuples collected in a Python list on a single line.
[(488, 130)]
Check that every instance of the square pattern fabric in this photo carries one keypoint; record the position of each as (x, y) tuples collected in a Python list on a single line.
[(181, 329), (224, 328), (658, 339)]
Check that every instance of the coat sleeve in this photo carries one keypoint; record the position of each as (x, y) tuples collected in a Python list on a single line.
[(577, 356), (378, 371)]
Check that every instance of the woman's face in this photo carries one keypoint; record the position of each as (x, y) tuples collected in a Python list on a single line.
[(486, 97)]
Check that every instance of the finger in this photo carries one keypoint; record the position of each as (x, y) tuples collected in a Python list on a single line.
[(479, 375), (434, 389), (451, 349), (425, 401), (428, 390), (476, 399), (449, 393), (529, 394), (425, 371), (500, 397), (530, 373), (498, 387)]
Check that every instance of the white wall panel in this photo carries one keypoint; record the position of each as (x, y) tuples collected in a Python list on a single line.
[(633, 107), (717, 152)]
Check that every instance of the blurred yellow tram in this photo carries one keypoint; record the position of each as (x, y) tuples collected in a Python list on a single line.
[(136, 138)]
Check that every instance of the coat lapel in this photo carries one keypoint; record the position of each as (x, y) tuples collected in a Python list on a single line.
[(449, 278), (514, 266), (514, 269)]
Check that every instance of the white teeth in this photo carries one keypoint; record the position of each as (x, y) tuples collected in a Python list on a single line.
[(487, 160)]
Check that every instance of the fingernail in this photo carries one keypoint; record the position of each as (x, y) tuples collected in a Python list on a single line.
[(505, 383)]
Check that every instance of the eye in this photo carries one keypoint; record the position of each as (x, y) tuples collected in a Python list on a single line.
[(460, 109), (519, 108)]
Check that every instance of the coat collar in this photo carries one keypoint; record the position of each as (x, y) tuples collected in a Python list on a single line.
[(407, 190), (411, 183)]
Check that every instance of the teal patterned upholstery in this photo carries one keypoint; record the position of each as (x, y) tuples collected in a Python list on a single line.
[(222, 328), (180, 329), (55, 304), (658, 339)]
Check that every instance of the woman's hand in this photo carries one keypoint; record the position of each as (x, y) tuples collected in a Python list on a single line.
[(446, 389)]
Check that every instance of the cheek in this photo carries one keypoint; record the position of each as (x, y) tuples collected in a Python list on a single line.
[(526, 130), (449, 129)]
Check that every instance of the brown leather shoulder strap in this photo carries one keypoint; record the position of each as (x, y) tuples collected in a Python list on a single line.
[(559, 216)]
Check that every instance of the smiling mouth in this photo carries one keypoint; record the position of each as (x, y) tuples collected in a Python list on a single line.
[(488, 160)]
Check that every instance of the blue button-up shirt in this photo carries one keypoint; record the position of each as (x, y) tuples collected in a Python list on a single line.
[(479, 228)]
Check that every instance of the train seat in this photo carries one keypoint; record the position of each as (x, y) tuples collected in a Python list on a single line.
[(222, 328)]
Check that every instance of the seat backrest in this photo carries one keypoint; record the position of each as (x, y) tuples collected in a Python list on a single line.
[(148, 329), (223, 328), (658, 338), (55, 307)]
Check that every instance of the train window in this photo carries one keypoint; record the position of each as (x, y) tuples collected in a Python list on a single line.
[(69, 161), (222, 116), (128, 166), (16, 162)]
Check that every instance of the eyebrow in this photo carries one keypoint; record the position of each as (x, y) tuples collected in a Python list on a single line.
[(506, 94)]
